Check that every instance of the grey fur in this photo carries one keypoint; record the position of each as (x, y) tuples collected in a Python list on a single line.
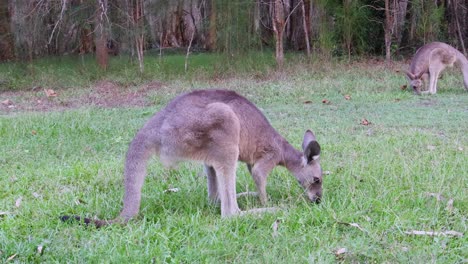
[(218, 128), (429, 61)]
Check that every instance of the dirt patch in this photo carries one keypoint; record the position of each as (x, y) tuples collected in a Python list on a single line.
[(105, 94), (108, 95)]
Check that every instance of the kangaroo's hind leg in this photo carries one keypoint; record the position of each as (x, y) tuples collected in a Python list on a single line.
[(222, 128)]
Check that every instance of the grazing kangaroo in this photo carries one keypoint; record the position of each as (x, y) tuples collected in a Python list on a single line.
[(218, 128), (429, 61)]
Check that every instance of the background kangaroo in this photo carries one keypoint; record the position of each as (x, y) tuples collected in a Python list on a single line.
[(218, 128), (429, 61)]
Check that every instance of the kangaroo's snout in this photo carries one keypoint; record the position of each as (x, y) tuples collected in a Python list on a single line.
[(316, 198), (314, 192)]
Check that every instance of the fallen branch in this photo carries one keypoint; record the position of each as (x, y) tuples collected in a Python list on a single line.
[(434, 233)]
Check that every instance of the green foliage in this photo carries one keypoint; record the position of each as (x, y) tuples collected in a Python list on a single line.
[(235, 32), (354, 26), (380, 175), (431, 25)]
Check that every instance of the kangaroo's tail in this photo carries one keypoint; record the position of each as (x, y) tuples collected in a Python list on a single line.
[(462, 61)]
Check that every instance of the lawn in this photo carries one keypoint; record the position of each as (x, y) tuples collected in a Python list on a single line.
[(395, 163)]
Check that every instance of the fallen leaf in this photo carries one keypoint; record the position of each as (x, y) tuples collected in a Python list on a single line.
[(79, 201), (347, 97), (40, 249), (12, 257), (397, 100), (434, 233), (7, 102), (341, 251), (403, 87), (307, 102), (18, 202), (274, 226), (172, 190), (50, 93), (325, 101), (449, 206), (430, 147), (33, 132), (365, 122)]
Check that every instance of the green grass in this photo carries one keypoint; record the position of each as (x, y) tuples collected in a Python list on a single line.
[(379, 177), (76, 71)]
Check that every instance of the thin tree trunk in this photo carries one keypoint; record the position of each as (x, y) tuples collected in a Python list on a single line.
[(306, 27), (100, 32), (257, 16), (388, 31), (400, 17), (6, 40), (140, 35), (188, 51), (278, 29), (459, 31)]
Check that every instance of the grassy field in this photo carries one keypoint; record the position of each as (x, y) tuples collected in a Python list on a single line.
[(406, 170)]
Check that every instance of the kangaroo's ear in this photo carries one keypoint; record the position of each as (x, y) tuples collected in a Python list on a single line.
[(310, 146), (410, 75), (419, 75)]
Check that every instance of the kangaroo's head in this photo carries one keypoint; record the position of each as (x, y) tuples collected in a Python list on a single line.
[(309, 174), (415, 81)]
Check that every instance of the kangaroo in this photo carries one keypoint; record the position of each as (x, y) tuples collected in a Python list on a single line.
[(429, 61), (218, 128)]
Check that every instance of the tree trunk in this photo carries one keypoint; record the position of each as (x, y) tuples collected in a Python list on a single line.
[(458, 30), (138, 29), (305, 6), (100, 34), (388, 28), (211, 40), (400, 17), (6, 40), (278, 29)]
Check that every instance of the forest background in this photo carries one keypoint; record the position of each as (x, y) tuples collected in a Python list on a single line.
[(324, 28)]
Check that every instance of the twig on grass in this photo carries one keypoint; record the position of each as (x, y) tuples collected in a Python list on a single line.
[(434, 233)]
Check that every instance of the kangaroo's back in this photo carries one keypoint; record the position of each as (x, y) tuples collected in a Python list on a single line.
[(256, 133), (420, 61)]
